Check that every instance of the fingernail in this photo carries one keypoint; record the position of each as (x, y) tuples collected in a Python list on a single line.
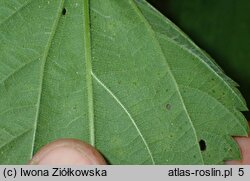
[(67, 152)]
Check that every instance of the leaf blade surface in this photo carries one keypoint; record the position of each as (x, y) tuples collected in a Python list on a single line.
[(117, 75)]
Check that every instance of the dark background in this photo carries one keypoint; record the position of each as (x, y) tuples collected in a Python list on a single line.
[(221, 28)]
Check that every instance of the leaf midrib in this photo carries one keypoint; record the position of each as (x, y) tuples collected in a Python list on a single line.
[(88, 59)]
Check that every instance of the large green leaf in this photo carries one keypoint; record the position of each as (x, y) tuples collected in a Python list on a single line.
[(221, 27), (116, 74)]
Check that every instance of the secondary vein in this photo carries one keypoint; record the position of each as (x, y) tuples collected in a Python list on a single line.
[(129, 115), (87, 48), (44, 59), (147, 24)]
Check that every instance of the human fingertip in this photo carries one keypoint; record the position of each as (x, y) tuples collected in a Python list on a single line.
[(67, 152), (244, 144)]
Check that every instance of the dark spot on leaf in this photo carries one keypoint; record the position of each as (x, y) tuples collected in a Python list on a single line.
[(166, 90), (168, 106), (203, 145), (171, 136), (213, 90), (135, 83), (64, 11)]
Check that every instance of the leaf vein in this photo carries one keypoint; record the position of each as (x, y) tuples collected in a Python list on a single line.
[(87, 48), (150, 29), (128, 114), (18, 10), (17, 70), (44, 59)]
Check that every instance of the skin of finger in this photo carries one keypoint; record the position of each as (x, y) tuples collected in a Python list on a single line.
[(244, 144), (90, 156), (67, 152)]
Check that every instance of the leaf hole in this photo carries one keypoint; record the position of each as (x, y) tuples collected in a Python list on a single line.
[(64, 11), (168, 106), (203, 145)]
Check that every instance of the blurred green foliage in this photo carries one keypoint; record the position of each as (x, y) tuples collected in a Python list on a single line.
[(221, 28)]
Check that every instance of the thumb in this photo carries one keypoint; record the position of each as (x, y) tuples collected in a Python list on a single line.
[(67, 152), (244, 144)]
